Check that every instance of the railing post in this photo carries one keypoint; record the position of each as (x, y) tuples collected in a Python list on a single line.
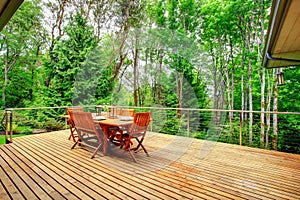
[(11, 125), (241, 127), (188, 123), (8, 118)]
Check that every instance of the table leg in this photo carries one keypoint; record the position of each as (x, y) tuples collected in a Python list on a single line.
[(105, 132)]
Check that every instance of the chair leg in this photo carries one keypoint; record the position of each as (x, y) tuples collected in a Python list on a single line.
[(73, 137), (127, 143), (131, 155), (141, 145), (72, 134), (145, 150), (77, 142), (97, 149)]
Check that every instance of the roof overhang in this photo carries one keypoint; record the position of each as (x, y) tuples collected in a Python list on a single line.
[(283, 37), (7, 9)]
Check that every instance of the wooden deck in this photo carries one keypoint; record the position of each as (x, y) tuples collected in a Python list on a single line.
[(43, 166)]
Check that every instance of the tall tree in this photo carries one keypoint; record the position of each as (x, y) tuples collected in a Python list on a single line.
[(69, 55), (20, 49), (275, 116)]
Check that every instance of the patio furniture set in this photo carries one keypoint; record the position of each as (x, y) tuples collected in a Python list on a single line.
[(125, 130)]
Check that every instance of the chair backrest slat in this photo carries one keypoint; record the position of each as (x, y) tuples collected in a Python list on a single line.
[(87, 129), (125, 112), (70, 112), (84, 121), (75, 109), (140, 123)]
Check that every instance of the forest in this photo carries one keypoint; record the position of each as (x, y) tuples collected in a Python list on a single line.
[(197, 54)]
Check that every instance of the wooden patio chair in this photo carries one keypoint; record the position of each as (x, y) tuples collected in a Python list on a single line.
[(125, 112), (136, 132), (87, 130), (73, 133)]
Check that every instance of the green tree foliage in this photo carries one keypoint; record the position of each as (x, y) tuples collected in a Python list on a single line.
[(186, 87), (289, 126), (68, 56), (170, 53), (20, 44)]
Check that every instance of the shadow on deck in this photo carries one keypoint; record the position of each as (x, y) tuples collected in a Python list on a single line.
[(43, 166)]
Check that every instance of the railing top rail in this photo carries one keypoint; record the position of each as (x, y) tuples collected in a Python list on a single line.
[(213, 110), (160, 108), (40, 108)]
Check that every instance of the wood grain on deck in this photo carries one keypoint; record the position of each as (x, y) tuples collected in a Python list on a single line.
[(43, 166)]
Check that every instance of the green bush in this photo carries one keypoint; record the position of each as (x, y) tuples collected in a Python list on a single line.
[(22, 130), (53, 125)]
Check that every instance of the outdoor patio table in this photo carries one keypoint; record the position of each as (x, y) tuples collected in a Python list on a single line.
[(112, 124)]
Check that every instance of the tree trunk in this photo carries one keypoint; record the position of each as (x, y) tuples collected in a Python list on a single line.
[(135, 90), (180, 89), (260, 55), (232, 91), (268, 108), (7, 67), (262, 117), (231, 102), (160, 90), (250, 103), (246, 96), (57, 28), (4, 86), (215, 92), (243, 92), (5, 76), (228, 93), (275, 109)]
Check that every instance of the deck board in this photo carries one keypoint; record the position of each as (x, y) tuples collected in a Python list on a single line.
[(103, 173), (10, 188), (43, 166)]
